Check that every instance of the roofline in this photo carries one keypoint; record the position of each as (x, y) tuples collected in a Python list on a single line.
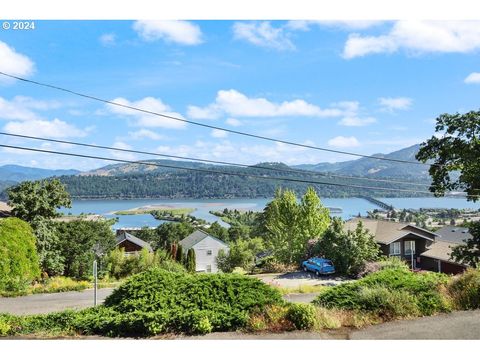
[(419, 228), (448, 261), (206, 233), (398, 238), (143, 247)]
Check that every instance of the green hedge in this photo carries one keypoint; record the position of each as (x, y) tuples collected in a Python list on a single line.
[(390, 293), (18, 255), (157, 301)]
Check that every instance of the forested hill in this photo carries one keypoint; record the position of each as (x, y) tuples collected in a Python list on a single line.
[(148, 181), (172, 183)]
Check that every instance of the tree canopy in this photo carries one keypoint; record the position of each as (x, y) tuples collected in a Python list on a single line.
[(18, 255), (288, 225), (456, 158)]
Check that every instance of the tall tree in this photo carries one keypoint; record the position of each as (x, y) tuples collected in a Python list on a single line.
[(37, 203), (289, 225), (79, 241), (454, 166), (349, 250), (33, 200), (179, 255)]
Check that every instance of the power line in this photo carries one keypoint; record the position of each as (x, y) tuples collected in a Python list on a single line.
[(210, 161), (91, 97), (264, 177)]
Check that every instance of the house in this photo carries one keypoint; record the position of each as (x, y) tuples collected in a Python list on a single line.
[(206, 249), (5, 210), (131, 243), (421, 248), (437, 257)]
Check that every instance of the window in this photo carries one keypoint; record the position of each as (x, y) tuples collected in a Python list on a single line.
[(209, 268), (395, 248), (209, 252), (409, 247)]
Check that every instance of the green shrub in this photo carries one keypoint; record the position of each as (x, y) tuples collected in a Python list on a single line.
[(4, 328), (392, 292), (302, 316), (465, 290), (18, 255)]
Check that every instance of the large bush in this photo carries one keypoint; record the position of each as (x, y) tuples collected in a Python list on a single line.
[(465, 290), (391, 293), (158, 301), (18, 255)]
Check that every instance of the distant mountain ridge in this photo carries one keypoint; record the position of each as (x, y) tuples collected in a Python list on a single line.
[(376, 168), (170, 180), (16, 173)]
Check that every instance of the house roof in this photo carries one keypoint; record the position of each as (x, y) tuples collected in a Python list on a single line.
[(386, 232), (195, 237), (125, 236), (5, 210), (440, 250), (454, 234)]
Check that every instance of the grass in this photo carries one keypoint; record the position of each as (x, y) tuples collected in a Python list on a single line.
[(301, 289), (59, 284), (160, 210)]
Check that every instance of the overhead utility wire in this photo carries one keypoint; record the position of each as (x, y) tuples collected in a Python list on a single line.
[(211, 126), (210, 161), (265, 177)]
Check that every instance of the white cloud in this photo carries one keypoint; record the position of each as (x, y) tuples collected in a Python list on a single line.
[(344, 142), (177, 31), (234, 103), (216, 133), (305, 25), (20, 108), (233, 122), (357, 121), (108, 39), (263, 34), (44, 128), (145, 119), (418, 37), (398, 103), (145, 134), (473, 78), (14, 63)]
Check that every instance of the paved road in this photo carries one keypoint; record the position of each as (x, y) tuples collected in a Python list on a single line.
[(454, 326), (45, 303)]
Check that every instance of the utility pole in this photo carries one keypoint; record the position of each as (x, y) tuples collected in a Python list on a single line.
[(95, 282)]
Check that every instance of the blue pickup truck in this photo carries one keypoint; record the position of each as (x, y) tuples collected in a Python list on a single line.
[(319, 266)]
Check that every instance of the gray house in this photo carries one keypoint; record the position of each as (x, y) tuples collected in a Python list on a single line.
[(206, 249)]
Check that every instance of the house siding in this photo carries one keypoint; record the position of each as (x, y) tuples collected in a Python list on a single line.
[(203, 260), (420, 247), (129, 246)]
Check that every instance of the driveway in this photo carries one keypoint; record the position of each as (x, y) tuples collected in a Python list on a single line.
[(45, 303), (299, 278), (459, 325)]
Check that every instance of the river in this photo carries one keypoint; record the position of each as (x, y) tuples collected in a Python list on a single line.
[(350, 207)]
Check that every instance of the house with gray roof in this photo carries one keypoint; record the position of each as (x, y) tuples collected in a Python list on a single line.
[(206, 249), (131, 244), (421, 248), (437, 256)]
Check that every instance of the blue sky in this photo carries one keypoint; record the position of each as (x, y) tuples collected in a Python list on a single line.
[(360, 86)]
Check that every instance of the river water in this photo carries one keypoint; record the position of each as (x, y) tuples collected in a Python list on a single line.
[(350, 207)]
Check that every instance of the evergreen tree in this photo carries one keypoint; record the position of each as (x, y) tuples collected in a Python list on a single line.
[(179, 255), (191, 261)]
